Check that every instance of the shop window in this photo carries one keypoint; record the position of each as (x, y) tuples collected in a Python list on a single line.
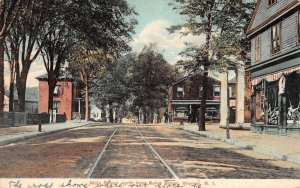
[(275, 38), (180, 91), (273, 111), (257, 48), (292, 90), (217, 90), (271, 2)]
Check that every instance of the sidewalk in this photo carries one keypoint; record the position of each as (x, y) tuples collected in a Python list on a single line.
[(286, 148), (14, 134)]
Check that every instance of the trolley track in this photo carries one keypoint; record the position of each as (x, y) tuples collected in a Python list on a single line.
[(135, 155)]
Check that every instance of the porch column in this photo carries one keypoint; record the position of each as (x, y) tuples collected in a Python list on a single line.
[(253, 107), (79, 113), (265, 101), (240, 96), (224, 102), (282, 119)]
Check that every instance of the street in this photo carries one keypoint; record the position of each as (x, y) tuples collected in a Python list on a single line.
[(175, 153)]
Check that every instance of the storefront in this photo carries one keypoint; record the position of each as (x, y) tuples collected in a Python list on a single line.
[(276, 102), (188, 111)]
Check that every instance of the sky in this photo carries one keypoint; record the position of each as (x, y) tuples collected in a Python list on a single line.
[(154, 16)]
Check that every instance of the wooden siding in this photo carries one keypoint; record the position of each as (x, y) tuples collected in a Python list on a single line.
[(288, 40), (264, 12)]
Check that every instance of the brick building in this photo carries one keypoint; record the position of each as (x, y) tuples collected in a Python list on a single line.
[(184, 98), (67, 97)]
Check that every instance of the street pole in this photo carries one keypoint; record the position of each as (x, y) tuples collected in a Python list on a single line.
[(228, 110)]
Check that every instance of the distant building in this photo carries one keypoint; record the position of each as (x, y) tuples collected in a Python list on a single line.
[(31, 101), (67, 97), (184, 98), (274, 32), (96, 113)]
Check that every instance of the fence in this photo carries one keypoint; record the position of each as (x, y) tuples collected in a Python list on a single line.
[(33, 119), (14, 118), (21, 118)]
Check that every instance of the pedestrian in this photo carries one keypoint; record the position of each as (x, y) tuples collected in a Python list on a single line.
[(155, 116), (166, 116), (170, 117)]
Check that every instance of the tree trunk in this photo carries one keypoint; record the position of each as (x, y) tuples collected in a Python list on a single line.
[(1, 79), (21, 95), (51, 87), (11, 97), (86, 102), (201, 122), (11, 87)]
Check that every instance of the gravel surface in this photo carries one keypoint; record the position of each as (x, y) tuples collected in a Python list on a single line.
[(65, 154), (192, 156), (128, 156), (70, 154)]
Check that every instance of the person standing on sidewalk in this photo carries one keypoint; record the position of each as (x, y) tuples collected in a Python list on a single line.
[(166, 116)]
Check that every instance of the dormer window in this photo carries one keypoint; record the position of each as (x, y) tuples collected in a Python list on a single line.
[(272, 2), (275, 38), (180, 91)]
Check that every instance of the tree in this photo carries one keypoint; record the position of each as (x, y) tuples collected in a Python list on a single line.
[(218, 21), (57, 39), (114, 85), (88, 64), (9, 11), (106, 26), (151, 76), (24, 38), (99, 31)]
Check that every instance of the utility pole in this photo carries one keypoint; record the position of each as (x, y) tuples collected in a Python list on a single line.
[(228, 110)]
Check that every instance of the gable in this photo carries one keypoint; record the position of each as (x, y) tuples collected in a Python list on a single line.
[(265, 14)]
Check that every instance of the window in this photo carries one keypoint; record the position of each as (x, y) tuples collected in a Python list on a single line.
[(56, 106), (180, 92), (275, 38), (257, 50), (56, 90), (230, 91), (217, 90), (200, 91), (272, 2)]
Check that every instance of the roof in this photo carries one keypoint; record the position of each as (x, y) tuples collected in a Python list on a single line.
[(192, 75), (31, 94), (62, 77), (277, 15)]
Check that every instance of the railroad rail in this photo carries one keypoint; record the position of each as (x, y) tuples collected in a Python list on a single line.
[(89, 174), (157, 155), (169, 169)]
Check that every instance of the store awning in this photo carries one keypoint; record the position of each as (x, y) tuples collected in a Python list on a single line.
[(274, 77)]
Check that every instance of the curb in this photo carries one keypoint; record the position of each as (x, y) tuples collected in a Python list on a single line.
[(34, 135), (280, 156)]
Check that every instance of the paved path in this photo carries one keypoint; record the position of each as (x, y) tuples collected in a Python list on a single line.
[(14, 134), (284, 147)]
